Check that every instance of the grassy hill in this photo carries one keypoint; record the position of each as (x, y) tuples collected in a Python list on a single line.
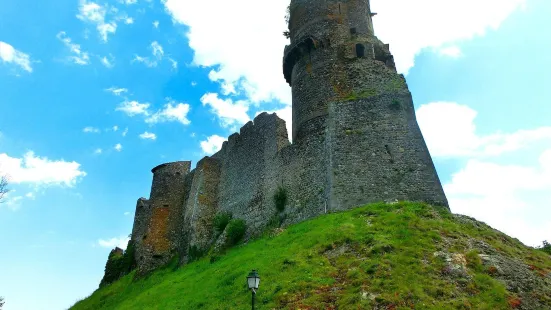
[(382, 256)]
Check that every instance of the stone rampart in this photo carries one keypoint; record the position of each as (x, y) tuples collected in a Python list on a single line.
[(355, 140)]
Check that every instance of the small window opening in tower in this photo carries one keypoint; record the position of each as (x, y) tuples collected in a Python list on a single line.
[(360, 50), (165, 206), (353, 31)]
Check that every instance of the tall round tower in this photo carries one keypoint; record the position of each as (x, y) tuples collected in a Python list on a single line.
[(351, 104), (327, 36)]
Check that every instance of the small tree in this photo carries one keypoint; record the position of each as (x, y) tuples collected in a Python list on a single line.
[(546, 247), (3, 187), (220, 221), (1, 302)]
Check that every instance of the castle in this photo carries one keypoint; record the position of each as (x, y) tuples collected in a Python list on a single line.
[(355, 141)]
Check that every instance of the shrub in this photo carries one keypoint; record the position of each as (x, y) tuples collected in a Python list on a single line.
[(546, 247), (280, 198), (236, 231), (474, 261), (221, 220), (194, 253), (119, 264)]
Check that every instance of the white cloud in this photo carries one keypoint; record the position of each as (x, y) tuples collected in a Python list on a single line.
[(121, 242), (30, 195), (117, 91), (125, 132), (91, 130), (156, 24), (130, 1), (171, 112), (98, 151), (41, 170), (108, 62), (258, 73), (129, 20), (118, 147), (148, 135), (433, 23), (13, 203), (174, 63), (127, 213), (145, 60), (229, 112), (157, 50), (212, 145), (132, 108), (94, 13), (509, 196), (450, 51), (78, 56), (9, 54), (450, 131), (228, 88), (115, 128), (512, 198)]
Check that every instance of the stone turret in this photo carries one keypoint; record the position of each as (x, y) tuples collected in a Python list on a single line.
[(345, 88), (157, 221)]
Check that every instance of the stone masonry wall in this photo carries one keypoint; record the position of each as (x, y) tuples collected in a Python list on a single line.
[(142, 217), (249, 170), (202, 204)]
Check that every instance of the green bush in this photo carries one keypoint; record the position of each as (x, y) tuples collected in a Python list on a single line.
[(119, 264), (236, 231), (474, 261), (221, 220), (280, 198)]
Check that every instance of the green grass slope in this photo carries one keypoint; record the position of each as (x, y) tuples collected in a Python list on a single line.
[(382, 256)]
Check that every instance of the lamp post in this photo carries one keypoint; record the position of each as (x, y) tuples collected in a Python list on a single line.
[(253, 280)]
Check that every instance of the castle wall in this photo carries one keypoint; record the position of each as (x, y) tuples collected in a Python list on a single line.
[(202, 205), (355, 141), (249, 170)]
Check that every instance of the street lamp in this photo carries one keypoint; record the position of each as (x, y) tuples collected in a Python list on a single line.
[(253, 280)]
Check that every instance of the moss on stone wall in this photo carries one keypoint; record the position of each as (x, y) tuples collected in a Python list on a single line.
[(364, 94)]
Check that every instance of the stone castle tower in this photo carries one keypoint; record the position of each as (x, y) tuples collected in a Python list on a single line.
[(355, 141)]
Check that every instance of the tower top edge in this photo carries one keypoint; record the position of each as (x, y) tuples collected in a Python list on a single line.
[(175, 163)]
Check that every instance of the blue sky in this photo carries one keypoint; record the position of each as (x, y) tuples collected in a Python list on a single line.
[(95, 94)]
